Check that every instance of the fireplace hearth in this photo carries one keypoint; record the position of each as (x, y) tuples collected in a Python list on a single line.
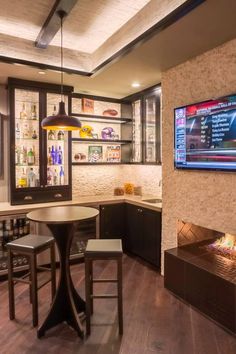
[(203, 273)]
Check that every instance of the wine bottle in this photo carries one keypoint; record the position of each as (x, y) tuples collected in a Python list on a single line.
[(33, 112), (17, 131), (61, 176), (23, 114), (30, 157), (22, 157)]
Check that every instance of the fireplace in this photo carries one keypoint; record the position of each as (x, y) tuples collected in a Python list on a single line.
[(202, 271)]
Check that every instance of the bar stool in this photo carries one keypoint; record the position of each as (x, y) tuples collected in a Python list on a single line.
[(103, 250), (30, 246)]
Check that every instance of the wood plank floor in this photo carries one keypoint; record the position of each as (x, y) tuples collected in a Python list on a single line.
[(154, 320)]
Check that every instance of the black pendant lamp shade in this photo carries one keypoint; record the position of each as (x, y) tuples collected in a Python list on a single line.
[(61, 121)]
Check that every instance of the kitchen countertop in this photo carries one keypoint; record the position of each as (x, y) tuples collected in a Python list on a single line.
[(6, 208)]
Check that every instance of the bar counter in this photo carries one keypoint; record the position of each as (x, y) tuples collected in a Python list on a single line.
[(6, 208)]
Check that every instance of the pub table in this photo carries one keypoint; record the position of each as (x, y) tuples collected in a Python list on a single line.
[(67, 304)]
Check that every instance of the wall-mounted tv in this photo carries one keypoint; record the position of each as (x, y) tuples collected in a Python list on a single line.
[(205, 135)]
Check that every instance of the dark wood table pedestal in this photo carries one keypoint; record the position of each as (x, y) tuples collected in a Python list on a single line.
[(67, 303)]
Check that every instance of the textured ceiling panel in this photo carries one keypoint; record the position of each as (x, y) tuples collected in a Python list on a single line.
[(92, 22), (23, 18)]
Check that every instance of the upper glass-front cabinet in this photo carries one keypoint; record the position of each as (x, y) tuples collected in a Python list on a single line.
[(39, 159), (146, 128)]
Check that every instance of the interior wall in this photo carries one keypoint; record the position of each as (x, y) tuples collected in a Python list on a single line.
[(4, 188), (95, 180), (203, 198)]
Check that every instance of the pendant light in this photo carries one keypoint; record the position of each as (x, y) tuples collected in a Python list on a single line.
[(61, 121)]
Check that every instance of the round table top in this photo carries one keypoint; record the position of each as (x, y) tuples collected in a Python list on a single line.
[(62, 214)]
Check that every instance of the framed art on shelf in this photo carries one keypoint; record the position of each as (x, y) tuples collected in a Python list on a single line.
[(87, 105), (95, 153)]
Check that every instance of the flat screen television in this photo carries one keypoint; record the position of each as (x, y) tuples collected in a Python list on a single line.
[(205, 135)]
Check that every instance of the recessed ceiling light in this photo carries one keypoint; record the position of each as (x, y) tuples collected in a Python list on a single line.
[(135, 84), (42, 72)]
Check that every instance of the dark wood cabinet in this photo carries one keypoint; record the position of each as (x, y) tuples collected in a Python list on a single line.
[(143, 233), (112, 221), (139, 228), (40, 161)]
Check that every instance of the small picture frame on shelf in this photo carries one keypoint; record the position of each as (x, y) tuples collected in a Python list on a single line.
[(113, 153), (95, 154), (87, 105), (95, 136)]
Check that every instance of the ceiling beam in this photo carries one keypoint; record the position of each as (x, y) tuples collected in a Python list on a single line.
[(53, 22)]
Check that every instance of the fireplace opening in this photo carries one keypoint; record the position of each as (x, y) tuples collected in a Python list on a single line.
[(224, 246)]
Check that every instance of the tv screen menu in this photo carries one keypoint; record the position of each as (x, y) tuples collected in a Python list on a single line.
[(205, 135)]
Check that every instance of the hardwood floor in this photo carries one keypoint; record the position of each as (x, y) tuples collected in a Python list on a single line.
[(154, 320)]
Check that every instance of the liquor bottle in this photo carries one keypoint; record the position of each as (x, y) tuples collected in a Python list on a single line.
[(22, 155), (17, 131), (55, 178), (50, 161), (53, 155), (51, 135), (59, 156), (23, 179), (61, 176), (54, 110), (34, 135), (56, 156), (49, 177), (31, 157), (60, 135), (23, 114), (31, 178), (17, 155), (33, 112)]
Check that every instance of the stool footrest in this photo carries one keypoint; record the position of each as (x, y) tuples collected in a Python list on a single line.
[(104, 280), (108, 296), (46, 269), (21, 280)]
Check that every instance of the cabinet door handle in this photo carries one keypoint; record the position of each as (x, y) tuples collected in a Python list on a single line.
[(57, 195), (28, 197)]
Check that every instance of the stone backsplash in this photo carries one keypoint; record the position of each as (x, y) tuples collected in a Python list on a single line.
[(95, 180)]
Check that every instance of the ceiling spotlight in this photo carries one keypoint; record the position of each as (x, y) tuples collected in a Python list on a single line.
[(135, 84), (42, 72)]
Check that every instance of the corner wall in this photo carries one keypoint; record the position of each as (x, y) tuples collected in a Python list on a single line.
[(204, 198)]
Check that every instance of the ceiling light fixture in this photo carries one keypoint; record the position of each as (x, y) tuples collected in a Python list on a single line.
[(41, 72), (135, 84), (61, 121)]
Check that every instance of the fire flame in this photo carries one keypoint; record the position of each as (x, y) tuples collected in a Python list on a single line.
[(225, 245)]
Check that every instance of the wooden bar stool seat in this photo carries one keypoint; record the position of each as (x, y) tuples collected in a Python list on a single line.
[(30, 246), (103, 250)]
